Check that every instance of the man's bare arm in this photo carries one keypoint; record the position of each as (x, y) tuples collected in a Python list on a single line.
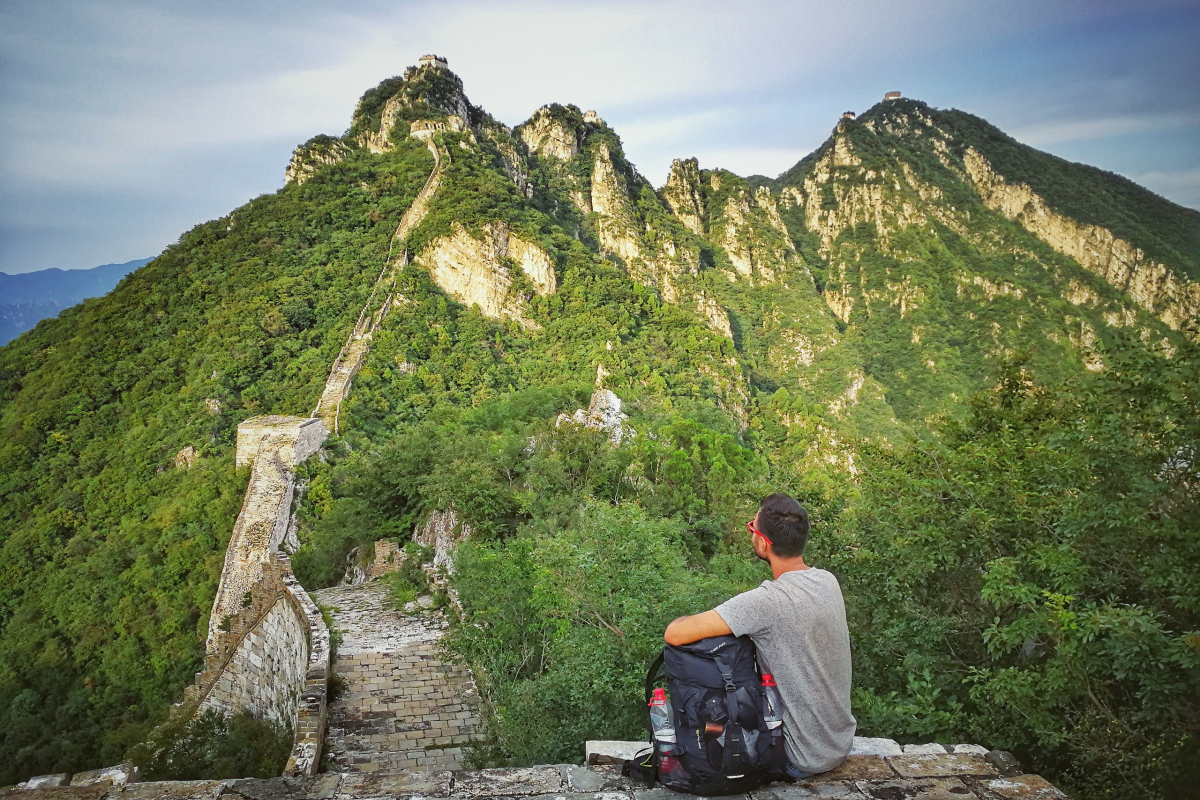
[(686, 630)]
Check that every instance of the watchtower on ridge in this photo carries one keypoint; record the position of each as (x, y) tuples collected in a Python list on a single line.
[(888, 96), (434, 61)]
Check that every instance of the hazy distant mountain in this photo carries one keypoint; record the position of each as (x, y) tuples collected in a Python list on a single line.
[(27, 298)]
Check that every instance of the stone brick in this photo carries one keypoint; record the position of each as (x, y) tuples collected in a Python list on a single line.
[(919, 789), (948, 764), (317, 787), (1018, 787), (661, 793), (512, 781), (48, 781), (1006, 763), (607, 751), (167, 790), (829, 791), (857, 768), (427, 784), (118, 775), (868, 746), (970, 749), (595, 779), (924, 749), (66, 793)]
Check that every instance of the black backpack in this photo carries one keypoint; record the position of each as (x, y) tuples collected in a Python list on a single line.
[(723, 745)]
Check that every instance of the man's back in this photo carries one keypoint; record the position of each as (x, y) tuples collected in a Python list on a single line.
[(798, 624)]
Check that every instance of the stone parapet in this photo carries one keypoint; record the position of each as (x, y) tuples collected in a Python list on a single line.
[(272, 659), (260, 527), (862, 777), (312, 709)]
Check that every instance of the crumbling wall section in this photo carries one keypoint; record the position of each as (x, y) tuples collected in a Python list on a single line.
[(265, 672)]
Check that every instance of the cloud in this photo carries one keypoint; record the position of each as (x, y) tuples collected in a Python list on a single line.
[(175, 112), (1104, 128)]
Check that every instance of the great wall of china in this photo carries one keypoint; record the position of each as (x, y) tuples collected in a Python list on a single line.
[(397, 727), (268, 648)]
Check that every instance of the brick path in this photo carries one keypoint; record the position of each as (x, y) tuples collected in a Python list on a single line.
[(402, 707)]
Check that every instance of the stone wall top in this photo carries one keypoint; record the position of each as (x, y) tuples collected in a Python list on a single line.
[(962, 776), (293, 438)]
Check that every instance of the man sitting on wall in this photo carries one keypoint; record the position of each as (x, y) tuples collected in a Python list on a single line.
[(798, 624)]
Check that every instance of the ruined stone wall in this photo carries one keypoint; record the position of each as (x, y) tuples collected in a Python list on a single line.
[(260, 527), (880, 771), (268, 647), (358, 344), (294, 439), (271, 658), (265, 674)]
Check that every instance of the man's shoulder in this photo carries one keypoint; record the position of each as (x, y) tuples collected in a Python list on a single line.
[(809, 580)]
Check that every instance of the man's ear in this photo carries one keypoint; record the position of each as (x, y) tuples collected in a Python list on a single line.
[(762, 548)]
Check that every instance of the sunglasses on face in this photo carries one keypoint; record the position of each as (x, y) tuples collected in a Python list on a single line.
[(750, 526)]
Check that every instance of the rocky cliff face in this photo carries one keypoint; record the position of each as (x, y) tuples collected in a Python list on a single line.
[(476, 271), (683, 195), (1153, 286), (310, 157), (549, 136)]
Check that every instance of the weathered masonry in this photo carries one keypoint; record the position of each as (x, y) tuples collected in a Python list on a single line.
[(268, 647), (924, 772)]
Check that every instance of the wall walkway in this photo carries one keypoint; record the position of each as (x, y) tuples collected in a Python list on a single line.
[(354, 352), (402, 706), (268, 648)]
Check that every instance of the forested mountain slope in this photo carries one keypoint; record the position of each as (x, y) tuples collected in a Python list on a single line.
[(823, 333)]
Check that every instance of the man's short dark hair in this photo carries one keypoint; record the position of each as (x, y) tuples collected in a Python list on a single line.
[(785, 524)]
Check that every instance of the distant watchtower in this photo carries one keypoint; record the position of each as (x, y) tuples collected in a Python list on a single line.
[(434, 61), (847, 115), (888, 96)]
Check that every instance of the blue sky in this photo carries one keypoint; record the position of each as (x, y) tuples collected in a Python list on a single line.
[(124, 123)]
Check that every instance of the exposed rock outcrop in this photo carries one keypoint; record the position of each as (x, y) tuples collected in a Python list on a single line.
[(442, 531), (475, 271), (548, 136), (714, 315), (381, 140), (658, 264), (832, 206), (684, 196), (515, 165), (616, 226), (1172, 298), (308, 158), (752, 234), (185, 458), (602, 414)]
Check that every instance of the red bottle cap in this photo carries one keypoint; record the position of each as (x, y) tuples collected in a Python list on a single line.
[(768, 680), (659, 698)]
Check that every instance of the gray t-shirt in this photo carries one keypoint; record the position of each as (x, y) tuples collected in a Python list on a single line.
[(798, 624)]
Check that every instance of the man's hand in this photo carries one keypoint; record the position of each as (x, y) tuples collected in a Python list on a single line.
[(686, 630)]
